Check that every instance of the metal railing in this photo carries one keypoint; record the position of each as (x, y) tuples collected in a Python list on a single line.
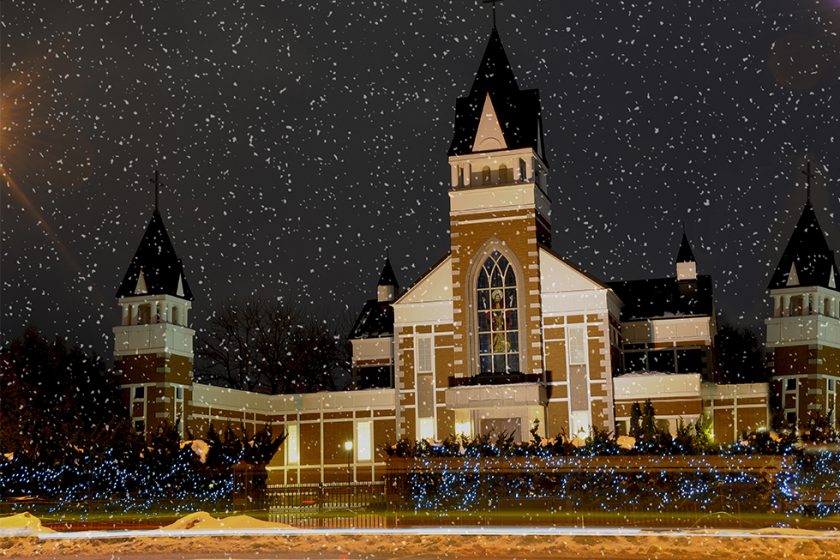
[(324, 497)]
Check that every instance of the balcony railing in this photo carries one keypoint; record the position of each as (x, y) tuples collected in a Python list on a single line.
[(495, 379)]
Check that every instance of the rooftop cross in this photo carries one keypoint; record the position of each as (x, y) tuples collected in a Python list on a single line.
[(156, 183), (493, 2), (808, 176)]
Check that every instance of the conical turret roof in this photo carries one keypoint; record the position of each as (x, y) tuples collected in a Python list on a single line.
[(161, 269), (808, 254), (518, 111), (685, 254)]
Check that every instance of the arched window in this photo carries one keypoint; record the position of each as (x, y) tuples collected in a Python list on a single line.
[(503, 174), (485, 175), (498, 324)]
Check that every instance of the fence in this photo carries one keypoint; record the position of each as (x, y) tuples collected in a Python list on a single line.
[(602, 483), (309, 498)]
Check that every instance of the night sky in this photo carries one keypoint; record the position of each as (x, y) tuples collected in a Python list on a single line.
[(298, 140)]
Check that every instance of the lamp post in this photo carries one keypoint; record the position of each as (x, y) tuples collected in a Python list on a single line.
[(348, 447)]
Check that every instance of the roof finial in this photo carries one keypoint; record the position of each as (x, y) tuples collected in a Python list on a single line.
[(493, 3), (156, 183), (808, 175)]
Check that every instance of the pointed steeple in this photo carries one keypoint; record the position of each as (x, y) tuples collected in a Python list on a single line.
[(155, 268), (387, 286), (685, 262), (807, 253), (685, 254), (517, 112)]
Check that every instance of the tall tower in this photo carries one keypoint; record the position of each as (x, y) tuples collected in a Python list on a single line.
[(499, 216), (803, 335), (153, 345)]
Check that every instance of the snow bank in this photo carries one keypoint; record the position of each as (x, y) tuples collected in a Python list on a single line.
[(203, 521), (22, 525)]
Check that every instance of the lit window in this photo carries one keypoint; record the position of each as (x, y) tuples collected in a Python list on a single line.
[(364, 440), (498, 321), (292, 444), (463, 423), (426, 428)]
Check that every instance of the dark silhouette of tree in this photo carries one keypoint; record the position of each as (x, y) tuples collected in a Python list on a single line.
[(268, 347), (54, 399)]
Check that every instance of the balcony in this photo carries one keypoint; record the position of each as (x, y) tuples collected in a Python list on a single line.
[(496, 390), (495, 379)]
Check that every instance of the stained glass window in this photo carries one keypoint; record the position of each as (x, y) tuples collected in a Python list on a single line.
[(498, 325)]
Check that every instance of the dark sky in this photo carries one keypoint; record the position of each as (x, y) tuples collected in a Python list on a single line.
[(298, 140)]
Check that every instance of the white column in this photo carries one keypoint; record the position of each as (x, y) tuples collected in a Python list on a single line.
[(125, 314), (467, 174), (134, 308), (806, 304), (785, 306), (777, 306), (455, 175)]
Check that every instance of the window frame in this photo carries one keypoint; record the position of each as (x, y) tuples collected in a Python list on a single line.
[(511, 312)]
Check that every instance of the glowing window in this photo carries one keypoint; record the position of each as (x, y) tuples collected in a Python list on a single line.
[(426, 428), (292, 444), (498, 321), (364, 440)]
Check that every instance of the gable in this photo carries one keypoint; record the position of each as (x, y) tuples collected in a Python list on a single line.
[(556, 275), (435, 286), (489, 135), (793, 277)]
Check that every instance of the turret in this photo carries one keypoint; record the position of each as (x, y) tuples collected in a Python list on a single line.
[(153, 344)]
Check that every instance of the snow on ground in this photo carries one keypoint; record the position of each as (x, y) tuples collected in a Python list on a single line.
[(193, 535), (22, 525), (203, 521)]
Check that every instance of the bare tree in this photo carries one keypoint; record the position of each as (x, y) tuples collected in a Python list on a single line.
[(268, 347)]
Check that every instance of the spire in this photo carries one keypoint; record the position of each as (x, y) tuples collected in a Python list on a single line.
[(493, 2), (387, 286), (517, 112), (685, 254), (808, 175), (387, 277), (156, 183), (807, 254), (685, 262), (155, 269)]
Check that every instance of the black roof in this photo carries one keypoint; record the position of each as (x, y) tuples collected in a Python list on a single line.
[(160, 265), (685, 253), (809, 250), (664, 297), (519, 111), (375, 321), (388, 278)]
